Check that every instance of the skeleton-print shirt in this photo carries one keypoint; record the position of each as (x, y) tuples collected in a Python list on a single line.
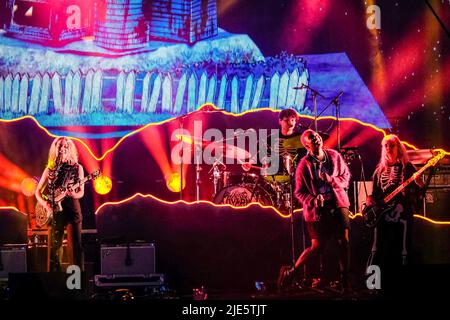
[(386, 181), (391, 178)]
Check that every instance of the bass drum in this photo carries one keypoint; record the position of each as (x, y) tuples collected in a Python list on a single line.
[(241, 195)]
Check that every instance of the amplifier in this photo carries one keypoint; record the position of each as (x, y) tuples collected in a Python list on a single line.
[(13, 259), (127, 259), (132, 280)]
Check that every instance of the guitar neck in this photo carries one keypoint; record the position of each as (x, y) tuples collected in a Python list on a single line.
[(401, 187)]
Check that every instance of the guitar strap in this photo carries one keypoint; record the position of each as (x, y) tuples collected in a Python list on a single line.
[(64, 175)]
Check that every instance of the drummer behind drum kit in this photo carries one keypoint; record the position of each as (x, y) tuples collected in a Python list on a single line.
[(239, 188)]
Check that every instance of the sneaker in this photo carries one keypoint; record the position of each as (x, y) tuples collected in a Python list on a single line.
[(318, 283), (341, 288)]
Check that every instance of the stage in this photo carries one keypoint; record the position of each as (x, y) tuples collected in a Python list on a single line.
[(260, 151)]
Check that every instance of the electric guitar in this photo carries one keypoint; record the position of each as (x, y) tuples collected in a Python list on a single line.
[(372, 214), (43, 215)]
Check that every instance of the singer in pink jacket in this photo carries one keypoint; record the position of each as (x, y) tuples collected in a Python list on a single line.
[(322, 179)]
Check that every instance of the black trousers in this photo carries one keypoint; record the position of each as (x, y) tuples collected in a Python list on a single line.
[(71, 220), (391, 244)]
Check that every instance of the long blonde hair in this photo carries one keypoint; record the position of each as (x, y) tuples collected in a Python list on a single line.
[(402, 155), (53, 153)]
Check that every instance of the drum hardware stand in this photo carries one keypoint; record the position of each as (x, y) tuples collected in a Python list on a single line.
[(288, 166), (254, 187), (216, 174), (198, 169), (335, 101)]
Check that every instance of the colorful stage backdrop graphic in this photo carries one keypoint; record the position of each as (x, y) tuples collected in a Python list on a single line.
[(101, 70), (119, 77), (133, 62)]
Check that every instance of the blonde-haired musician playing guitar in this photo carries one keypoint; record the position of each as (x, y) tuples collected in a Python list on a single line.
[(392, 232), (62, 171)]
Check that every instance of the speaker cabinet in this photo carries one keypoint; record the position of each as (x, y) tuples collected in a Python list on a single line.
[(436, 204), (127, 259), (13, 258)]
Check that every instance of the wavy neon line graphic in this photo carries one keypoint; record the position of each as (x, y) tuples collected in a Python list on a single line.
[(110, 150), (285, 216), (99, 158)]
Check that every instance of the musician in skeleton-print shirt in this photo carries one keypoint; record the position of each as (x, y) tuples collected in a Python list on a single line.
[(62, 171), (392, 233)]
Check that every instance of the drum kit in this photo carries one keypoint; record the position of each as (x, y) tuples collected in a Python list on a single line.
[(241, 187)]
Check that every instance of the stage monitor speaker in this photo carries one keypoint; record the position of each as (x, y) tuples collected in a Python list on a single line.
[(127, 259), (436, 204), (13, 258)]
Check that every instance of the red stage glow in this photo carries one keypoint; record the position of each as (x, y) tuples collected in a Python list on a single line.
[(153, 139), (29, 186), (11, 176)]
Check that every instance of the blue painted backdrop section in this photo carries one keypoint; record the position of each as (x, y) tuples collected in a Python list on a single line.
[(333, 73)]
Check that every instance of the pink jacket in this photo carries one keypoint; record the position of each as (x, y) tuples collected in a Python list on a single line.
[(306, 191)]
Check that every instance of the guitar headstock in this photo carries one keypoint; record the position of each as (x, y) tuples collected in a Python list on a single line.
[(440, 155)]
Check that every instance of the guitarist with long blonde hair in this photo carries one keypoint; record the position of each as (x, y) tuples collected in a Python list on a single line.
[(393, 229), (63, 171)]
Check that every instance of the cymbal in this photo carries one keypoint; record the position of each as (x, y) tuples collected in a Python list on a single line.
[(292, 143), (232, 152), (191, 139)]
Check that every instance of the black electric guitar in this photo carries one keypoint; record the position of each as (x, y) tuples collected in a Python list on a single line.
[(44, 216), (372, 214)]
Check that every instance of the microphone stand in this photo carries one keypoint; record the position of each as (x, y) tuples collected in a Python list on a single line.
[(182, 156), (335, 101), (338, 111), (288, 165), (314, 94), (53, 258), (291, 212)]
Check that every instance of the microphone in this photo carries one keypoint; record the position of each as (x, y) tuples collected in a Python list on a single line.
[(337, 97), (298, 88), (301, 126)]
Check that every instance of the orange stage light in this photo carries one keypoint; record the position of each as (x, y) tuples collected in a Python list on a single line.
[(103, 184), (173, 182), (29, 186)]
